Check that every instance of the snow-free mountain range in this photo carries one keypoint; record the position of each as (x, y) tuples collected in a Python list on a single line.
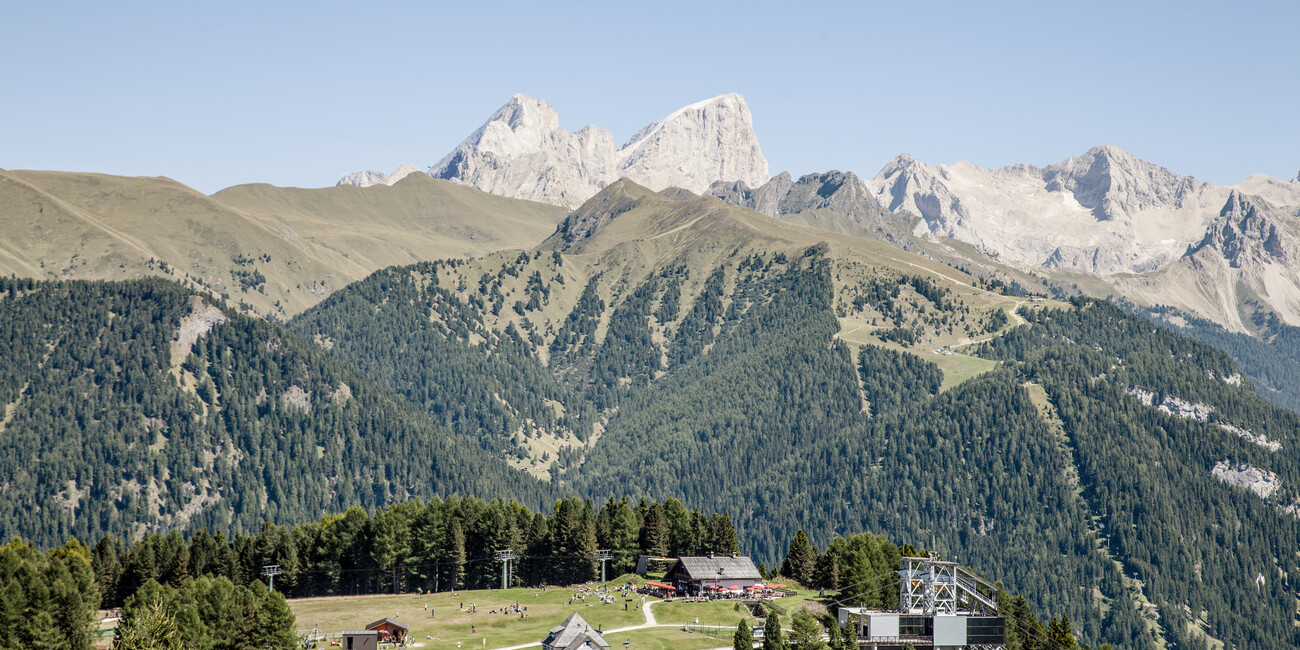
[(839, 352), (1146, 233)]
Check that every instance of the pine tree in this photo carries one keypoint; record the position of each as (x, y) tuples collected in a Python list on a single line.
[(834, 634), (457, 553), (681, 538), (655, 537), (773, 637), (800, 560), (743, 639), (108, 570), (623, 538), (1058, 631), (723, 538), (152, 627), (588, 567), (275, 621), (806, 632)]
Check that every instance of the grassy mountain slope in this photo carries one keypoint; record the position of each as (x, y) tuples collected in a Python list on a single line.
[(712, 342), (417, 219), (136, 405), (275, 250)]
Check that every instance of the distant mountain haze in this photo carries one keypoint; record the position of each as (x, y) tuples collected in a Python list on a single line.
[(523, 152)]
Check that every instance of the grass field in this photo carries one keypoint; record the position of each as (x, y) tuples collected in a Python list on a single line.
[(444, 624)]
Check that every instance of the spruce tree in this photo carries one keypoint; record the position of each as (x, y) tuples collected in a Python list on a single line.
[(806, 632), (800, 560), (724, 541), (457, 555), (743, 639), (275, 621), (773, 637), (152, 627)]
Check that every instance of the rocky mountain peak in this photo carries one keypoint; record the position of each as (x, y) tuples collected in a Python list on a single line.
[(523, 152), (1115, 185), (372, 177), (696, 145), (765, 198), (363, 179), (905, 184), (900, 163), (1245, 233), (523, 110)]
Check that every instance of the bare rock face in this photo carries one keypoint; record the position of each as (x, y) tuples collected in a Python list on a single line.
[(836, 201), (364, 179), (1245, 234), (1102, 212), (1247, 477), (1115, 185), (372, 177), (696, 145), (840, 192), (1105, 211), (765, 198), (523, 152)]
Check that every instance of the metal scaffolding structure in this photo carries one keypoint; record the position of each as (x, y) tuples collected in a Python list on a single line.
[(932, 586)]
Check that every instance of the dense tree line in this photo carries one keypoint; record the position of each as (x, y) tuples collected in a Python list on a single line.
[(47, 599), (205, 613), (891, 379), (207, 591), (104, 431), (1146, 474), (434, 545), (628, 357), (1271, 360)]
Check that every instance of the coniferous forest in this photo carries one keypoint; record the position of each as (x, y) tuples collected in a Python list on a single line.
[(364, 445)]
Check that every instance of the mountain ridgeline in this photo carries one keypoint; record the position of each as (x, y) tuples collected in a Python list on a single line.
[(673, 346)]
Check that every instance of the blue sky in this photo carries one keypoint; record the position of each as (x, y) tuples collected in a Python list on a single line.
[(216, 94)]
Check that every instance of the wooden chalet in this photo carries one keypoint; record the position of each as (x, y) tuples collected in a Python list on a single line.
[(390, 630), (701, 575)]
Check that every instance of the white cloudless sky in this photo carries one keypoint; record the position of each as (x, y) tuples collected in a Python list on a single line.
[(217, 94)]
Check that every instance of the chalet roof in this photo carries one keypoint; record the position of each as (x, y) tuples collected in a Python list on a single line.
[(706, 568), (391, 621), (572, 633)]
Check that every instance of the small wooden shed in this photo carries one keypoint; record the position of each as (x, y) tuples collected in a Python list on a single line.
[(361, 640)]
